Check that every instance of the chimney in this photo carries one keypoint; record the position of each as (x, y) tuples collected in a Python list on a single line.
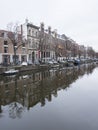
[(42, 27), (21, 29), (49, 29)]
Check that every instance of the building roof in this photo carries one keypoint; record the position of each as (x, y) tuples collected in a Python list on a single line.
[(33, 26), (9, 34)]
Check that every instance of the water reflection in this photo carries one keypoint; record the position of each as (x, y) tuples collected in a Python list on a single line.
[(25, 91)]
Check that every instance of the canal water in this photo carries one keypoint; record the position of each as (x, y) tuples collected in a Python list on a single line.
[(56, 99)]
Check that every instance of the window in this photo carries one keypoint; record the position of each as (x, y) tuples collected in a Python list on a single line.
[(5, 49), (23, 50), (33, 43), (5, 43), (2, 34), (37, 45), (30, 56), (36, 34), (23, 45), (32, 33), (29, 32), (15, 43), (30, 43)]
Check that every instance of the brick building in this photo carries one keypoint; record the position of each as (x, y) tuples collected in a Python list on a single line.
[(7, 46)]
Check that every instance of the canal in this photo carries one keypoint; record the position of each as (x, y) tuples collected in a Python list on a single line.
[(56, 99)]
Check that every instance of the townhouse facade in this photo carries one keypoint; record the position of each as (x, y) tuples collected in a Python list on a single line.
[(31, 33), (7, 46), (33, 43), (47, 43)]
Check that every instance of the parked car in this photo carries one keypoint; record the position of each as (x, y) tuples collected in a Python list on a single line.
[(10, 72), (70, 62), (54, 61), (50, 62), (76, 62), (24, 63), (30, 62)]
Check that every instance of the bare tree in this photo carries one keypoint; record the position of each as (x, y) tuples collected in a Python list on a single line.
[(15, 37)]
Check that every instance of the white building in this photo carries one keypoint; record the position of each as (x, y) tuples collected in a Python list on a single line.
[(30, 32)]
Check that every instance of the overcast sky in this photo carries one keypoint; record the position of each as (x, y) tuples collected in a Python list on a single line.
[(77, 19)]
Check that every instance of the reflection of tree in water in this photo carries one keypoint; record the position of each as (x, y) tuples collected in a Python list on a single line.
[(15, 108), (39, 87), (90, 68)]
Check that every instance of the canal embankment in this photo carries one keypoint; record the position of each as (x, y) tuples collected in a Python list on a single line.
[(24, 68), (37, 67)]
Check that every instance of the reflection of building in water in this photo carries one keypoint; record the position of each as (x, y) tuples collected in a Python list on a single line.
[(37, 87)]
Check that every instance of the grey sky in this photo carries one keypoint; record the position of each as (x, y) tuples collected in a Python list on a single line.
[(78, 19)]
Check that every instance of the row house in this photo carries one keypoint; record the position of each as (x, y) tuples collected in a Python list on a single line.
[(33, 43), (90, 52), (82, 51), (47, 43), (31, 33), (61, 46), (7, 46)]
